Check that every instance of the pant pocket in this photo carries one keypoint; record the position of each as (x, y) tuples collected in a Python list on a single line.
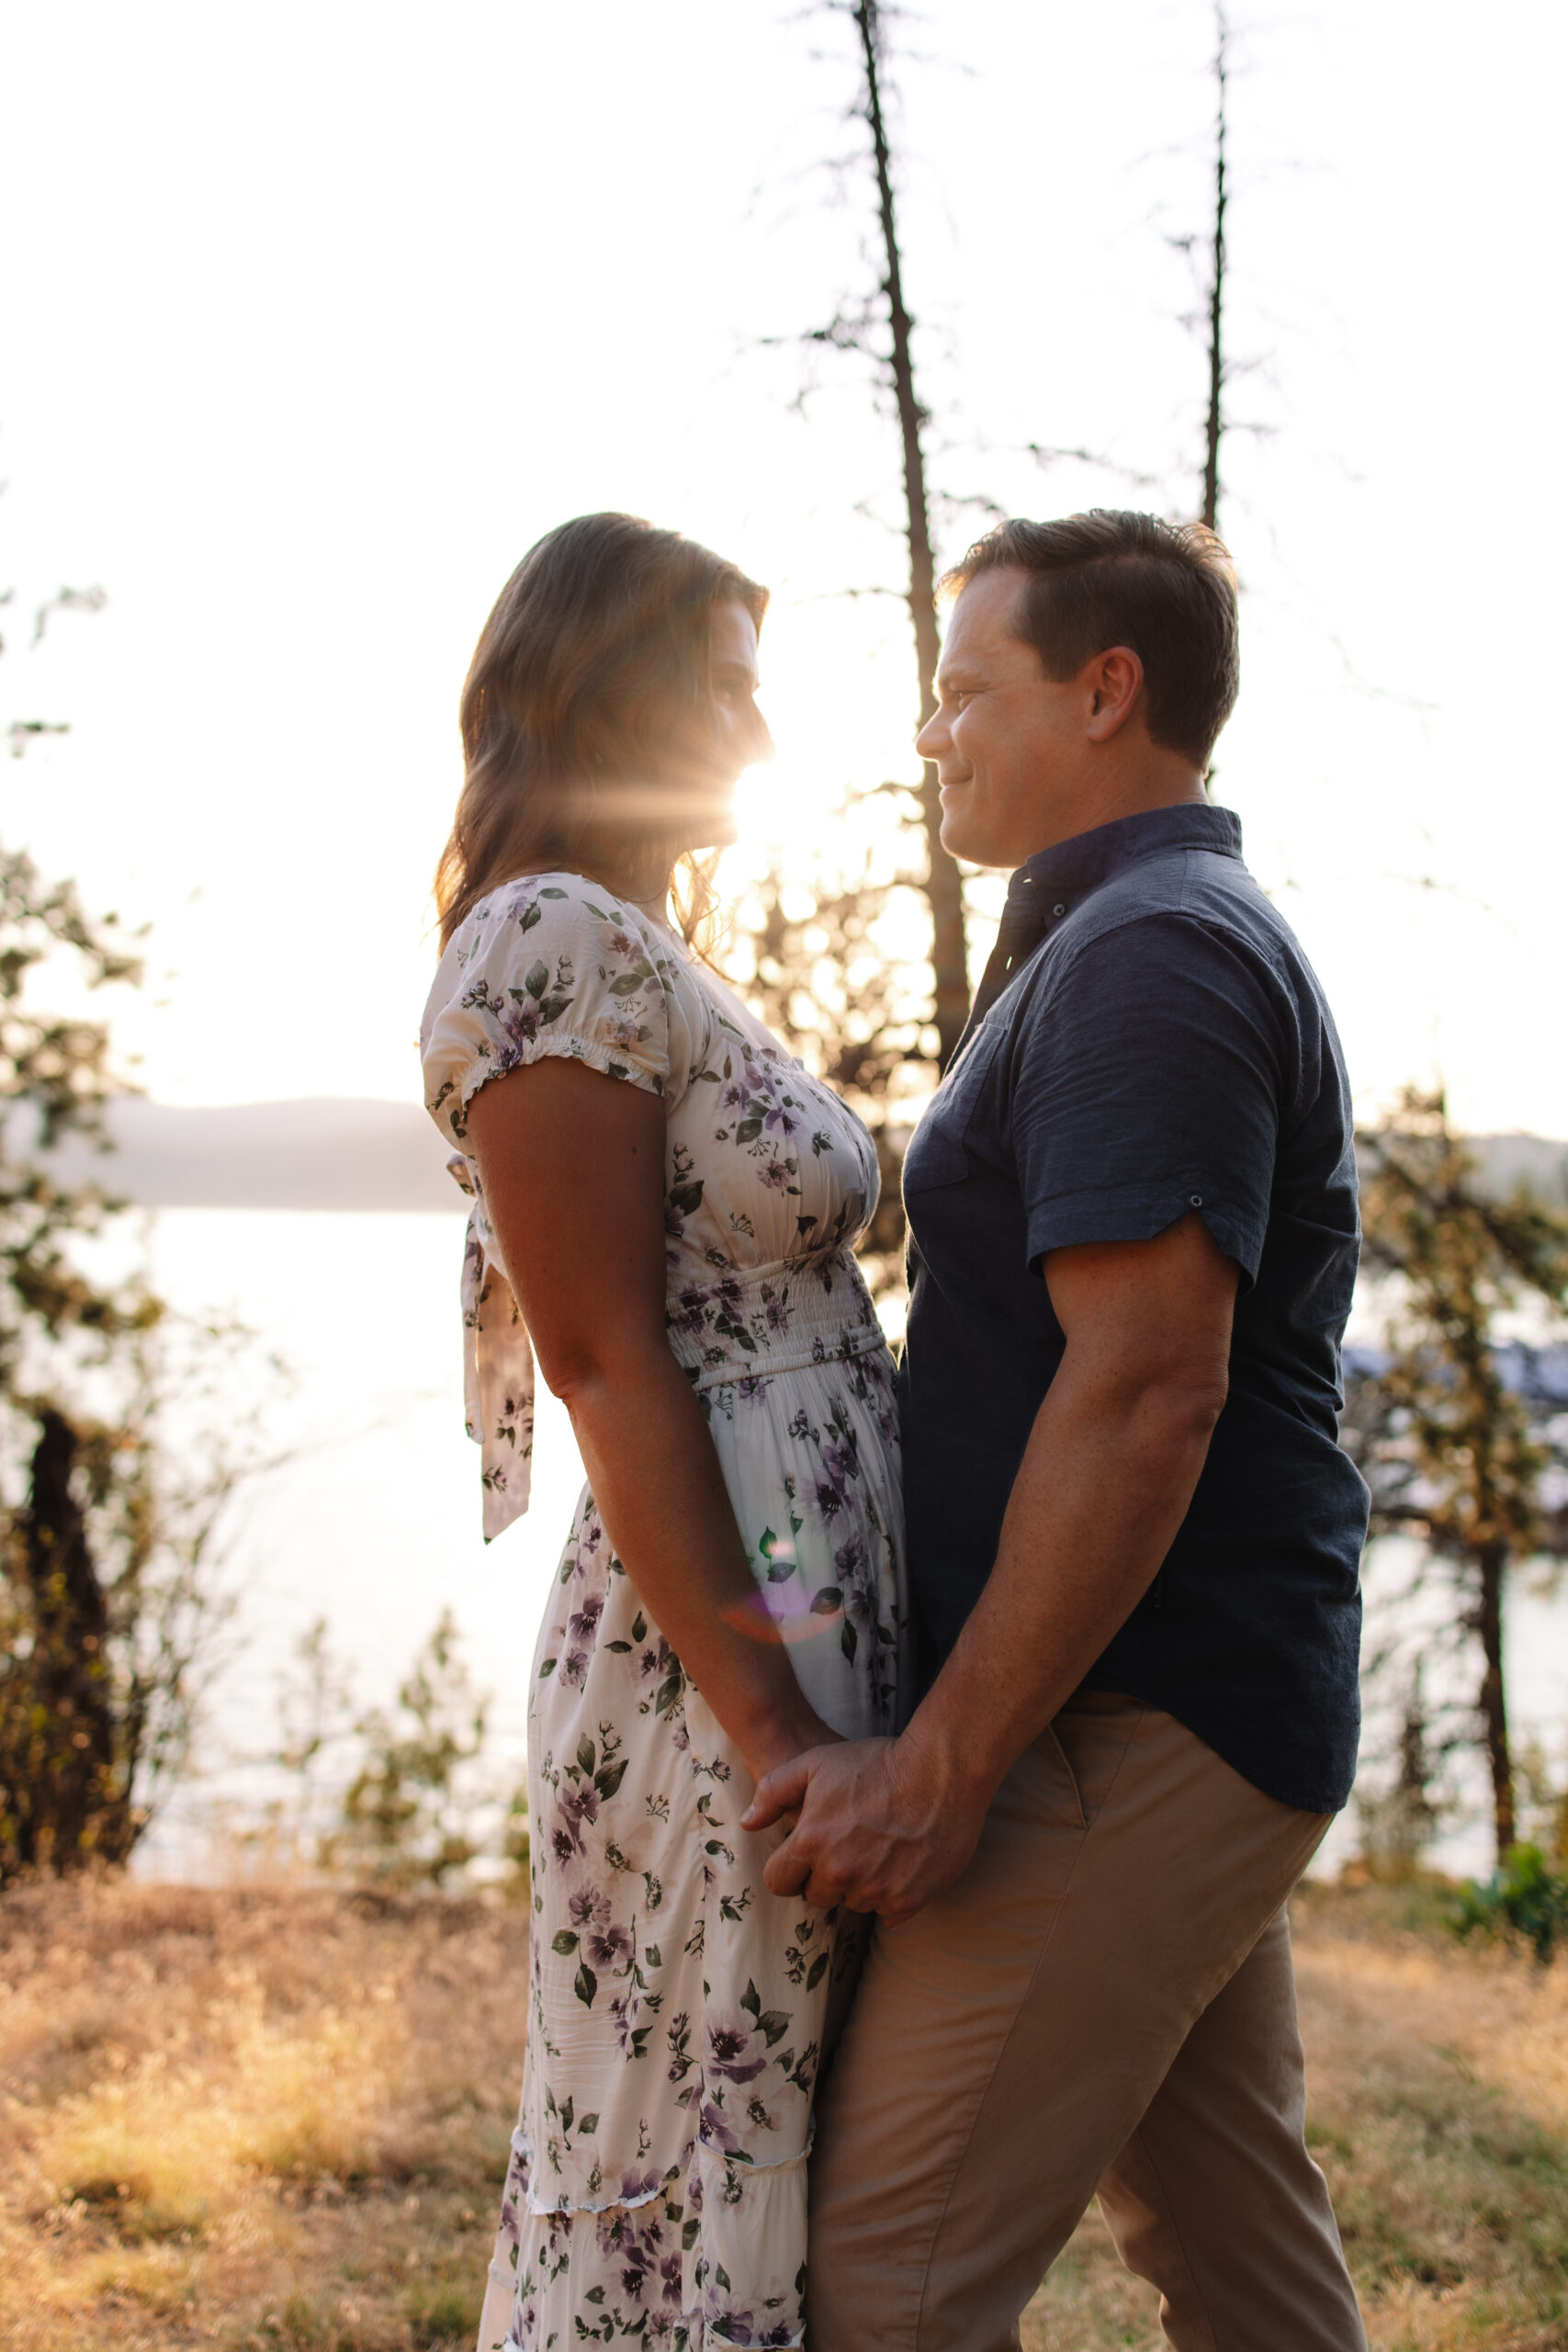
[(1062, 1792)]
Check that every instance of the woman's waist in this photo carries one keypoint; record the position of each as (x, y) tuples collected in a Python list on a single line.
[(772, 1319)]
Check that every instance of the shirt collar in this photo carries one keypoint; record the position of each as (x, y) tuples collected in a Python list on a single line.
[(1088, 859)]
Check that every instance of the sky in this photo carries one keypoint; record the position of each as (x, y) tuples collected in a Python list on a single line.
[(318, 315)]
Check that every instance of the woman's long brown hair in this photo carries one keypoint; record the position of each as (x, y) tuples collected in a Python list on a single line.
[(590, 672)]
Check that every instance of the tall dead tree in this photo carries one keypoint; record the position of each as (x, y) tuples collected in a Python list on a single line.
[(1215, 421), (943, 884)]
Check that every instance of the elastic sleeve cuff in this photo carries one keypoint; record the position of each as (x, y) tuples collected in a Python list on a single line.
[(613, 1060), (1139, 1212)]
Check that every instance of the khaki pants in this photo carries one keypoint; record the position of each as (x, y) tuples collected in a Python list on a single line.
[(1104, 2000)]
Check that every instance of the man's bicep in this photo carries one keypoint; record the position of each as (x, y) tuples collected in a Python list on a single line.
[(1162, 1308)]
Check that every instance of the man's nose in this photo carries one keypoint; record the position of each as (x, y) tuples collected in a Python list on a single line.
[(934, 737)]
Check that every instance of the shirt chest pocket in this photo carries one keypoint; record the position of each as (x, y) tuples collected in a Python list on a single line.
[(959, 1110)]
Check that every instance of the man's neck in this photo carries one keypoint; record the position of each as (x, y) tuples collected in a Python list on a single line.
[(1135, 793)]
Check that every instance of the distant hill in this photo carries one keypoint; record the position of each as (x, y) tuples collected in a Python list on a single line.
[(330, 1152), (323, 1153)]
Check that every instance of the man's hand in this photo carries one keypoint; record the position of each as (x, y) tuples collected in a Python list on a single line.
[(881, 1828)]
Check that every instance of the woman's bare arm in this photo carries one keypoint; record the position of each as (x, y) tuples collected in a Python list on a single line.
[(572, 1165)]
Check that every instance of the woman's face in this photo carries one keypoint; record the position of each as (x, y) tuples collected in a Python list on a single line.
[(740, 732)]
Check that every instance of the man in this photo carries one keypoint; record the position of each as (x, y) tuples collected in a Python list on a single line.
[(1133, 1541)]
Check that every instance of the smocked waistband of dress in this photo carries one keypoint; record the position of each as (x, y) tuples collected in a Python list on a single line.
[(773, 1319)]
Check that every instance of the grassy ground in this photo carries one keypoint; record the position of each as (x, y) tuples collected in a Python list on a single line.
[(277, 2122)]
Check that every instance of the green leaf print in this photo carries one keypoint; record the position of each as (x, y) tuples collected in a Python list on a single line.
[(849, 1641), (825, 1602), (566, 1941), (610, 1779), (687, 1197), (772, 2025), (552, 893), (531, 914), (585, 1984), (639, 1628), (818, 1970), (552, 1007), (536, 979), (747, 1131), (587, 1755)]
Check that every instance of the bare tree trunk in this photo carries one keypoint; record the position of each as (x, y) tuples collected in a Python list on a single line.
[(943, 885), (1215, 425), (1494, 1563)]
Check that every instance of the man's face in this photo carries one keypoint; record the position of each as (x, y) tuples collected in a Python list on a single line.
[(1008, 741)]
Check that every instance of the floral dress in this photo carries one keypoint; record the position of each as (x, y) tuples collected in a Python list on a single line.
[(678, 2010)]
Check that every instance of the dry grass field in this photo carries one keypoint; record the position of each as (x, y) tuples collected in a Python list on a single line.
[(274, 2120)]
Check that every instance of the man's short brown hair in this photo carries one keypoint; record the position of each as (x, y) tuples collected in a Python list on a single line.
[(1166, 590)]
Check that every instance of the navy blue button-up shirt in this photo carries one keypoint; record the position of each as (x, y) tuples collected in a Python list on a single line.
[(1156, 1044)]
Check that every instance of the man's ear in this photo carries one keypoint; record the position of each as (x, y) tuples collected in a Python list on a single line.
[(1115, 681)]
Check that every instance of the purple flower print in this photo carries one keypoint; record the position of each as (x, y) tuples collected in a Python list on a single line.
[(522, 1025), (587, 1908), (715, 2132), (726, 2045), (669, 2271), (732, 2325), (779, 1117), (607, 1947), (636, 2184), (749, 1388), (729, 1293), (733, 1098), (577, 1805), (623, 943), (829, 1501), (574, 1665), (775, 1175), (583, 1622), (778, 1315), (839, 1463), (691, 1317)]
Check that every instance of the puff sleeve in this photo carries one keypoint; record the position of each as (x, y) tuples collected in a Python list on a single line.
[(547, 966)]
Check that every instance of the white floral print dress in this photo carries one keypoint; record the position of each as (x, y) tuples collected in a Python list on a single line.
[(656, 2187)]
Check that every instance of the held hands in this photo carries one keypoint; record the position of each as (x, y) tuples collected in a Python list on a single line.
[(877, 1824)]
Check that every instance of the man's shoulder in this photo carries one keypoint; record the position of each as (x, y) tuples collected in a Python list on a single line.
[(1188, 904)]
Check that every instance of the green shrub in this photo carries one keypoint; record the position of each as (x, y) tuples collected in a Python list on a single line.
[(1526, 1898)]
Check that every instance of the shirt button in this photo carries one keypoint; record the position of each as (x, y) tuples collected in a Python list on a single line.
[(1058, 911), (1197, 1199)]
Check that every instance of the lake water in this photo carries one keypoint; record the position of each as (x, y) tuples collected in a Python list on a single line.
[(374, 1522)]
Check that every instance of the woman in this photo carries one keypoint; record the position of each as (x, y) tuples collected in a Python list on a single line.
[(665, 1204)]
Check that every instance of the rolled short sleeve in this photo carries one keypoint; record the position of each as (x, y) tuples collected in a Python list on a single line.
[(551, 966), (1152, 1079)]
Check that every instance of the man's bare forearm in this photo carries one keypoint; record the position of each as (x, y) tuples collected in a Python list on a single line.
[(1105, 1482)]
